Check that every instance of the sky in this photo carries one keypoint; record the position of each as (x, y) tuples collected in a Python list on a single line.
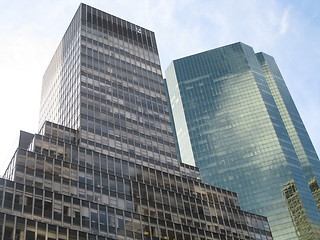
[(30, 31)]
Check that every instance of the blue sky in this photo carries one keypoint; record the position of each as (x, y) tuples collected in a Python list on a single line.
[(30, 31)]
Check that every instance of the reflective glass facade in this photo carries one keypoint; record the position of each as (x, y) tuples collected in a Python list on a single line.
[(107, 168), (246, 135)]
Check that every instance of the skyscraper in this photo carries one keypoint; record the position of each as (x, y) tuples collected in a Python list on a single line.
[(103, 165), (235, 120)]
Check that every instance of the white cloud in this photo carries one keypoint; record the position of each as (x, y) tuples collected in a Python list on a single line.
[(284, 22)]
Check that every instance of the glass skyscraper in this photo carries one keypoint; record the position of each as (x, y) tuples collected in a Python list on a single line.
[(235, 120), (103, 165)]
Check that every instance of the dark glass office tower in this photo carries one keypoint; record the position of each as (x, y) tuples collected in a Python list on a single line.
[(107, 168), (235, 120)]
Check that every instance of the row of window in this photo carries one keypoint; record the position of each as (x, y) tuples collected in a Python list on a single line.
[(62, 151), (92, 159), (110, 49), (111, 56), (109, 165), (94, 217), (58, 133), (20, 228), (106, 22), (119, 73), (120, 42), (102, 86)]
